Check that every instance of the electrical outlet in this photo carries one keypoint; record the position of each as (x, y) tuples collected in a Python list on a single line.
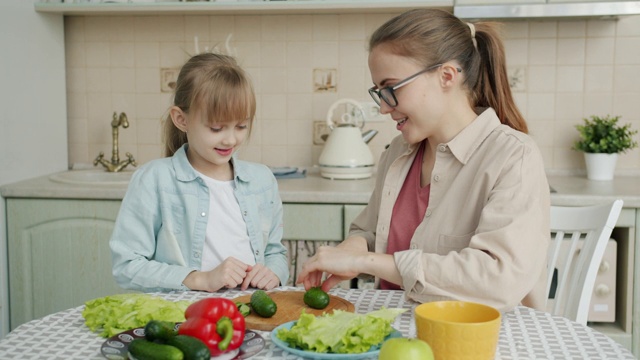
[(372, 112), (168, 78), (320, 128)]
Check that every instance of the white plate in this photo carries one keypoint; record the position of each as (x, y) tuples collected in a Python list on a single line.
[(371, 354)]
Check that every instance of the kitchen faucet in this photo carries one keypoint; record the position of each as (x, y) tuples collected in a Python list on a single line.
[(115, 165)]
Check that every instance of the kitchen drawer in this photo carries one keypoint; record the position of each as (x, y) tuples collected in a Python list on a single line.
[(322, 222)]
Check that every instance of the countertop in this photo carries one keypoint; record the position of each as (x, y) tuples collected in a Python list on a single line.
[(570, 190)]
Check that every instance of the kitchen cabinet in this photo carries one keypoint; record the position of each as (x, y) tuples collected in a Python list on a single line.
[(240, 7), (59, 256)]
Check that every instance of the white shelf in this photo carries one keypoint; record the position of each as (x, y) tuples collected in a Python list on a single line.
[(241, 7)]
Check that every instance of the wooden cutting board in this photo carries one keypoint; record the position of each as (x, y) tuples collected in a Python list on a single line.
[(290, 305)]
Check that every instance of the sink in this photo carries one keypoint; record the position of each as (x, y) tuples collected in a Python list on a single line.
[(93, 176)]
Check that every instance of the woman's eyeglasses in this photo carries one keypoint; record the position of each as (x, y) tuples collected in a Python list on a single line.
[(387, 93)]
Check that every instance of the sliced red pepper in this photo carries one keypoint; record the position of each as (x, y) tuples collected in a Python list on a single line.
[(215, 321)]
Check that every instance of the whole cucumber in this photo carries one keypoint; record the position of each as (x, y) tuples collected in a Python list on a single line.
[(263, 304), (316, 298), (157, 330), (192, 348), (142, 349)]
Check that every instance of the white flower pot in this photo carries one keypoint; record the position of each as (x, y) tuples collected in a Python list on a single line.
[(600, 166)]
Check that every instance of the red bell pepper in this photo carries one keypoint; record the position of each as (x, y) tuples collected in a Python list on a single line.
[(215, 321)]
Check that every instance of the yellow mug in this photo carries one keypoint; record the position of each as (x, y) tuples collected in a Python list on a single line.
[(459, 330)]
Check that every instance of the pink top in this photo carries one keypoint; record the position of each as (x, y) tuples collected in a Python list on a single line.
[(408, 212)]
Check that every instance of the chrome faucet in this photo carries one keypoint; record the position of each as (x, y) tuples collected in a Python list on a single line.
[(115, 165)]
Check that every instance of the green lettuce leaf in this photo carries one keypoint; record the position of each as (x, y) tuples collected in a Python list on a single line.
[(117, 313), (340, 332)]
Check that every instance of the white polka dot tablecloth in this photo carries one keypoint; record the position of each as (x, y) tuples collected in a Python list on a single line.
[(525, 333)]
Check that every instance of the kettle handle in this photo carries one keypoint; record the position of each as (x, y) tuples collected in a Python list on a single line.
[(333, 107)]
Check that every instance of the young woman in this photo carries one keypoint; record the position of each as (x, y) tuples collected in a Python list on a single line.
[(460, 209), (200, 219)]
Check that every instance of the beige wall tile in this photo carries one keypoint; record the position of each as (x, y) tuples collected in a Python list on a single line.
[(599, 51), (569, 79), (574, 68), (541, 78), (569, 106), (626, 78), (627, 51), (326, 27), (628, 26), (325, 54), (515, 30), (517, 51), (273, 54), (274, 28), (147, 54), (121, 28), (123, 80), (122, 54), (197, 25), (147, 80), (148, 131), (601, 28), (352, 53), (97, 54), (97, 28), (298, 156), (543, 30), (98, 80), (249, 53), (247, 28), (298, 107), (572, 29), (352, 27), (299, 53), (571, 51), (597, 104), (274, 106), (598, 78), (299, 27), (542, 51), (76, 81), (627, 105), (274, 132)]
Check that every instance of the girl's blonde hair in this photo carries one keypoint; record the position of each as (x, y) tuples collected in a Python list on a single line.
[(432, 36), (217, 88)]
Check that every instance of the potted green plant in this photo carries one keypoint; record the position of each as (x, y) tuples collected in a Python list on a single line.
[(601, 140)]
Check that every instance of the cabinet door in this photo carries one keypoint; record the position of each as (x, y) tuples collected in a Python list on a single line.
[(59, 254), (350, 213), (306, 227)]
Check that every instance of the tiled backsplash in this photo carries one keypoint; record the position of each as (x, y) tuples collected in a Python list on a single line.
[(563, 71)]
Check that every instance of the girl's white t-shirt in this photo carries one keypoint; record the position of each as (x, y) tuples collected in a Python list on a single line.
[(226, 230)]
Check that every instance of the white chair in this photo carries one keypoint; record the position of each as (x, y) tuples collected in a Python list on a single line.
[(587, 229)]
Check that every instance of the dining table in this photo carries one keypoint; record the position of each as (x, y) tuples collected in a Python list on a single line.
[(525, 333)]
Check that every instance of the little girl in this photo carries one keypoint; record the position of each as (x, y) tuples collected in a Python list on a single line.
[(200, 219)]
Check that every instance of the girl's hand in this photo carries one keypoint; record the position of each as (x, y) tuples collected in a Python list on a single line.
[(260, 277), (229, 274)]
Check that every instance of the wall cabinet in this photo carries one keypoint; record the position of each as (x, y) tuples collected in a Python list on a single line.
[(240, 7), (59, 254)]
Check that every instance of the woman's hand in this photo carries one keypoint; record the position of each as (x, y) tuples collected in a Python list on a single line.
[(341, 262), (260, 277)]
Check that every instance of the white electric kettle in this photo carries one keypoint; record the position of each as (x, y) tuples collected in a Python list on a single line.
[(346, 154)]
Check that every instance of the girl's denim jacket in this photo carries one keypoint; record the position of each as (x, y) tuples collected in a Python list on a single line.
[(160, 230)]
